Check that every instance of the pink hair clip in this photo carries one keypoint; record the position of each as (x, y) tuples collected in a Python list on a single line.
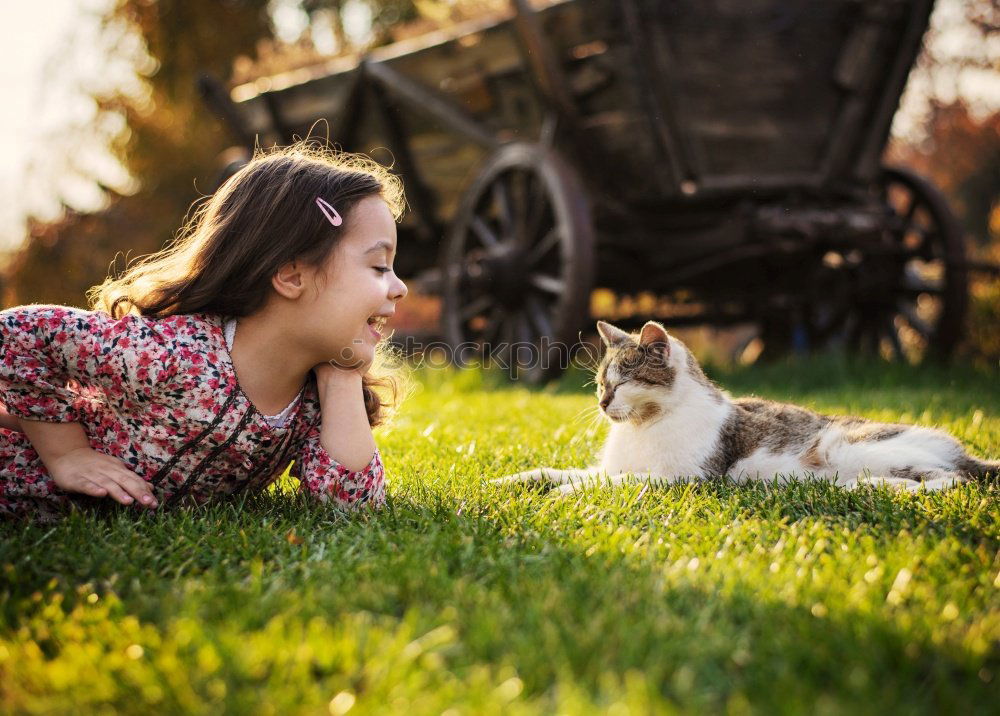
[(328, 211)]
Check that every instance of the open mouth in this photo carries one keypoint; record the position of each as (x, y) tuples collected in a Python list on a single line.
[(378, 324)]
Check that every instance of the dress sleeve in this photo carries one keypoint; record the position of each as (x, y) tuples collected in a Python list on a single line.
[(48, 352), (328, 481)]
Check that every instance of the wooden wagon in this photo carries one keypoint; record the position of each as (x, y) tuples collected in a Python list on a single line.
[(725, 154)]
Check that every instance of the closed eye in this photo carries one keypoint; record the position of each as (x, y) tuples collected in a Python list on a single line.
[(382, 269), (645, 381)]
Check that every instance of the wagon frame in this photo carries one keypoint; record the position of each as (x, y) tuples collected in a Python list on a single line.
[(843, 251)]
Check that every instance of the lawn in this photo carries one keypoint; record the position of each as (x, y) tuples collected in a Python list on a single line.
[(461, 597)]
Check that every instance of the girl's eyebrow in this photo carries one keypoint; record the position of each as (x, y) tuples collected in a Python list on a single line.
[(380, 246)]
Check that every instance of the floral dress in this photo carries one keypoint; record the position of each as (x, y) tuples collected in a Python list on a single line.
[(162, 396)]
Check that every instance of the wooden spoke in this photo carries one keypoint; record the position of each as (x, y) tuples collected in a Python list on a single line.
[(911, 210), (523, 329), (483, 232), (893, 335), (520, 201), (914, 283), (851, 331), (501, 200), (548, 284), (929, 243), (508, 339), (493, 325), (928, 240), (476, 308), (539, 250), (864, 334), (536, 211), (909, 312), (538, 316)]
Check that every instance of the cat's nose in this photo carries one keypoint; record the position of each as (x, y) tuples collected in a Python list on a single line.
[(606, 400)]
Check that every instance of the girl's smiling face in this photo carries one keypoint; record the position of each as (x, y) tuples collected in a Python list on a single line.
[(354, 293)]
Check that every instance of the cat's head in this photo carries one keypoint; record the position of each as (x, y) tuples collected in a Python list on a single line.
[(637, 374)]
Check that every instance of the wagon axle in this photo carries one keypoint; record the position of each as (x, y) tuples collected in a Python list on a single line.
[(503, 276)]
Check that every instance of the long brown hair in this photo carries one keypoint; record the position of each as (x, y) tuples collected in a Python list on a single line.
[(263, 217)]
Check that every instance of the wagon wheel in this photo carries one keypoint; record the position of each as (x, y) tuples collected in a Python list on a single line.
[(518, 263), (907, 297), (903, 297)]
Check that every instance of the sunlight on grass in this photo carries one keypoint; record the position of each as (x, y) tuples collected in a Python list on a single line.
[(461, 595)]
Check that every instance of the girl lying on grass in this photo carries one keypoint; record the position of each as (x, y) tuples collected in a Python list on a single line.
[(209, 366)]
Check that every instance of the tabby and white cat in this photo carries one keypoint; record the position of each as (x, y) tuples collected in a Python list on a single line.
[(670, 423)]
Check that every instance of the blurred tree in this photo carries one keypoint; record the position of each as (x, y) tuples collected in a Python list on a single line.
[(949, 125), (951, 133), (961, 155), (164, 137), (166, 140)]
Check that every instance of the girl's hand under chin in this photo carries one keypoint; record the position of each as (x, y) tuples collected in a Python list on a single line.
[(328, 374)]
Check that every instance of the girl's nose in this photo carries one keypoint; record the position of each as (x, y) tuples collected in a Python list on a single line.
[(399, 290)]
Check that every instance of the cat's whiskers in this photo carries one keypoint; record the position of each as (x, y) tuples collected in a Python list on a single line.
[(586, 413), (592, 417), (634, 417)]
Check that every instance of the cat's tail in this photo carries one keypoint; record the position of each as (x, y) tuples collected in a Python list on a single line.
[(980, 469)]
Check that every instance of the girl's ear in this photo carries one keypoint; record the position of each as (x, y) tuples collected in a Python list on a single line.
[(654, 336), (289, 281), (610, 335)]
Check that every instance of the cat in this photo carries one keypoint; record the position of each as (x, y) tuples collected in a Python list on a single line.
[(670, 423)]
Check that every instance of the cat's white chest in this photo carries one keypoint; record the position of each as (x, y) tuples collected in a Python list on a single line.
[(680, 444)]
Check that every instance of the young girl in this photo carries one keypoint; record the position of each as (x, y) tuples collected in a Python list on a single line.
[(209, 366)]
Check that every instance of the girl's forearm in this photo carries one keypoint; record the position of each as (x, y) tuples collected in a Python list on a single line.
[(345, 433), (53, 440), (8, 421)]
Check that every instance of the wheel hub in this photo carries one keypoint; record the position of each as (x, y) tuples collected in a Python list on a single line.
[(504, 273)]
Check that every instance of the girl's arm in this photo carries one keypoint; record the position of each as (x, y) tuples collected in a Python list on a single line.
[(45, 350), (75, 467), (8, 421), (345, 433), (338, 462)]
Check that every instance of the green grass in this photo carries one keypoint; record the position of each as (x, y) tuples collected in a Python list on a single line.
[(467, 598)]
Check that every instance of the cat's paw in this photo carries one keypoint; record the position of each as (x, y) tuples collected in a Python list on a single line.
[(539, 476), (931, 484), (571, 488), (942, 483)]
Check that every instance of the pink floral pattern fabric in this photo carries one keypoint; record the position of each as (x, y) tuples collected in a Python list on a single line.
[(162, 396)]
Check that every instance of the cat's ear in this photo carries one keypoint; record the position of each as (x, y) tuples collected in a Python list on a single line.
[(610, 335), (653, 335)]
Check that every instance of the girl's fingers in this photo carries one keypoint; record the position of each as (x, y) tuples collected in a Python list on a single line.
[(88, 487), (135, 485), (114, 489), (137, 488)]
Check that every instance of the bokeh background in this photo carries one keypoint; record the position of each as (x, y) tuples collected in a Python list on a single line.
[(106, 142)]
